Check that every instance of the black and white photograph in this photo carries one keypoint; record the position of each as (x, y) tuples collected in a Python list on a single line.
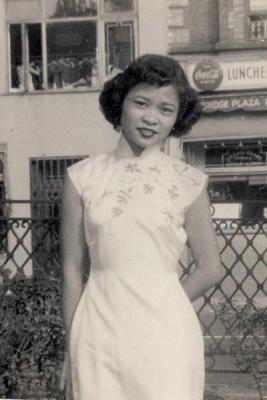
[(133, 200)]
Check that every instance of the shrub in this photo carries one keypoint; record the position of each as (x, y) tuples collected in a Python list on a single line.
[(247, 326), (32, 338)]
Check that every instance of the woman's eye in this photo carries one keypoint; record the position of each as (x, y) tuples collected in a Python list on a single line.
[(167, 110), (140, 103)]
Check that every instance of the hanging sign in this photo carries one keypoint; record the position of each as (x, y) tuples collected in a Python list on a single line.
[(232, 103), (216, 75)]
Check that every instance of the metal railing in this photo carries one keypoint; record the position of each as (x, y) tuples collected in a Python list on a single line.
[(31, 328)]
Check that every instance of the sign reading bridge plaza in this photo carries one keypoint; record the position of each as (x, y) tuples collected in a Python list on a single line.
[(215, 75), (232, 103)]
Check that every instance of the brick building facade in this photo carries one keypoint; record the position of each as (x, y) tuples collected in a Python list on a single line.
[(222, 46)]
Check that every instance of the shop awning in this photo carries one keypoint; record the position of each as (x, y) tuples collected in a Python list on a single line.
[(229, 126)]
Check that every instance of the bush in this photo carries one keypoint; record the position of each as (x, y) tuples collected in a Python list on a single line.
[(247, 326), (32, 338)]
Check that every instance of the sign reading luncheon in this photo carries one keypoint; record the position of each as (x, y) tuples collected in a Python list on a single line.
[(212, 75), (247, 72)]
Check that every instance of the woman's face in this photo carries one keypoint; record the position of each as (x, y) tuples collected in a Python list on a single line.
[(148, 115)]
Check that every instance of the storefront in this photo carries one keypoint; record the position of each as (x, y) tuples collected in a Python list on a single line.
[(230, 141)]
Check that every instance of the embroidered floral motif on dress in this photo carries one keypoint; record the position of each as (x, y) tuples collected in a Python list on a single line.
[(168, 184), (132, 167)]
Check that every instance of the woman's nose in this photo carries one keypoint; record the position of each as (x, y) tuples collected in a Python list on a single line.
[(150, 117)]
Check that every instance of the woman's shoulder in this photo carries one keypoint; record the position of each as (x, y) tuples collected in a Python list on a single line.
[(186, 171), (191, 180), (88, 162), (85, 170), (194, 174)]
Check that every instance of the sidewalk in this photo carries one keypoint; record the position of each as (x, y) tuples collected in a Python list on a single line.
[(229, 386)]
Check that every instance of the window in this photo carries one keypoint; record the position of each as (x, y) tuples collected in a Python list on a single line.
[(258, 19), (244, 188), (3, 221), (68, 44), (3, 206), (258, 27), (47, 175), (232, 154), (243, 198), (178, 35)]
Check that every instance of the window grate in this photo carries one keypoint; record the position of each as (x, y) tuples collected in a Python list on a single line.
[(47, 175), (3, 220), (3, 195)]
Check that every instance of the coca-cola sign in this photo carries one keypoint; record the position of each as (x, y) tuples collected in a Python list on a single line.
[(207, 75)]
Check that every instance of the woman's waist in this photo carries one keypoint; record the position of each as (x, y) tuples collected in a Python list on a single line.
[(156, 273), (160, 296), (127, 262), (118, 253), (140, 286)]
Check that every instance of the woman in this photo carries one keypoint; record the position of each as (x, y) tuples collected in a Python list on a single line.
[(132, 331)]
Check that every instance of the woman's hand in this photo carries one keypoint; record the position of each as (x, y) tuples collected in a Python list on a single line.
[(65, 378)]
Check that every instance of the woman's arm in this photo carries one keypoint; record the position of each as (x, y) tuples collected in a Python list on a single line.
[(204, 247), (74, 251)]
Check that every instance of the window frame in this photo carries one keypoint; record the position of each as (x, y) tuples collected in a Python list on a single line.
[(109, 25), (101, 19), (257, 22)]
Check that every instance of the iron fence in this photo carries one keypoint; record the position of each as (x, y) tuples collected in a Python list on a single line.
[(232, 314)]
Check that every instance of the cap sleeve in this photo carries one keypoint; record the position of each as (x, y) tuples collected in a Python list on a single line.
[(77, 173), (194, 182)]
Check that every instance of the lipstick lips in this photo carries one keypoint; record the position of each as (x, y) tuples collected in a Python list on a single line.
[(147, 132)]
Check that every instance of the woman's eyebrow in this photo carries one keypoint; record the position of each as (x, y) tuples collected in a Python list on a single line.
[(144, 97), (139, 95), (166, 103), (149, 99)]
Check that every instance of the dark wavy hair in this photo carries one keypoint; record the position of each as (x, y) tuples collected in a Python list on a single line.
[(156, 70)]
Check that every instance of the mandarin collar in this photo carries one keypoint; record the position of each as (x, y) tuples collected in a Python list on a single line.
[(121, 153)]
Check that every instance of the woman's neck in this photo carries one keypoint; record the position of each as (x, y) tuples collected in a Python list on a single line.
[(126, 150)]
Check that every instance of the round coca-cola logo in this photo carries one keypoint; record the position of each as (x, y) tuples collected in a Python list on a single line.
[(207, 75)]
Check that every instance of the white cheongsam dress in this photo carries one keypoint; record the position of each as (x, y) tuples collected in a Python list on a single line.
[(135, 334)]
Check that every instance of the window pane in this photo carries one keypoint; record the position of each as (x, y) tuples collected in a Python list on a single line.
[(258, 28), (118, 5), (70, 8), (35, 64), (23, 10), (16, 57), (119, 47), (72, 55), (32, 79)]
